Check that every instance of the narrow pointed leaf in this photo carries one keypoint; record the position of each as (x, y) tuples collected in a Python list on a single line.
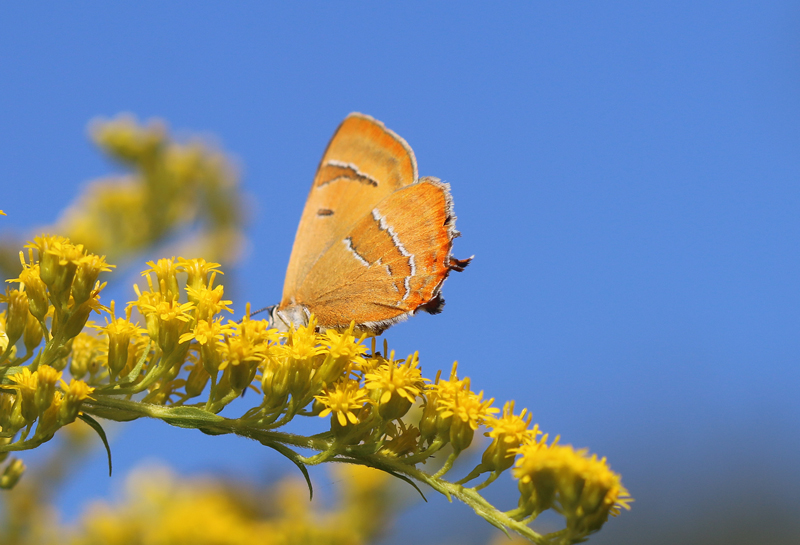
[(95, 425)]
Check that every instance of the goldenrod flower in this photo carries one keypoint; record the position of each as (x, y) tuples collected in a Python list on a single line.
[(3, 335), (121, 333), (209, 335), (582, 487), (46, 389), (58, 262), (78, 315), (89, 268), (395, 387), (128, 140), (145, 302), (171, 320), (343, 350), (289, 367), (165, 271), (245, 348), (402, 439), (465, 412), (449, 398), (196, 380), (300, 356), (507, 432), (33, 333), (240, 359), (48, 421), (16, 316), (303, 373), (75, 393), (345, 397), (88, 354), (26, 384), (208, 301), (35, 287), (198, 270)]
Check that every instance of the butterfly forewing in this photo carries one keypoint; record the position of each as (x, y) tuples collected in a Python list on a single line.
[(364, 163)]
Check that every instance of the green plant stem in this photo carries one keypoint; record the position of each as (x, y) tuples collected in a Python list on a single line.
[(195, 417)]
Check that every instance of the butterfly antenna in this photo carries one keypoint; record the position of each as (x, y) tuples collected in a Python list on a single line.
[(265, 309), (268, 310)]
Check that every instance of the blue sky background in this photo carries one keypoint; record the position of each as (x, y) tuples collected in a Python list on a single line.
[(625, 173)]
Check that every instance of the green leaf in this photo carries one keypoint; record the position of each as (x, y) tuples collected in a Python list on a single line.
[(381, 467), (213, 432), (186, 417), (137, 369), (293, 456), (95, 425)]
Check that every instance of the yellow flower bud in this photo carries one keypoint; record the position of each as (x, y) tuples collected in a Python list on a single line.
[(17, 315), (48, 377), (49, 421), (198, 271), (3, 337), (58, 261), (35, 288), (275, 382), (86, 350), (197, 380), (12, 474), (27, 386), (75, 393), (33, 334), (89, 268), (165, 271), (507, 433)]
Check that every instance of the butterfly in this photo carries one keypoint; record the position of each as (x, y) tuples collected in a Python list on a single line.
[(374, 241)]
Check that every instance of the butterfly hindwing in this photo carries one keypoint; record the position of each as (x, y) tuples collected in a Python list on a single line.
[(389, 264)]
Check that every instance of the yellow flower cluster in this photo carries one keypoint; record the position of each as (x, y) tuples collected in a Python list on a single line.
[(171, 187), (187, 350), (161, 507), (58, 289), (580, 487)]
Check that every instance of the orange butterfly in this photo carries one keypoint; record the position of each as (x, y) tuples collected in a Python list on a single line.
[(374, 241)]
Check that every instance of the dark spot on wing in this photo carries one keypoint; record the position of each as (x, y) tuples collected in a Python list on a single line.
[(324, 212)]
